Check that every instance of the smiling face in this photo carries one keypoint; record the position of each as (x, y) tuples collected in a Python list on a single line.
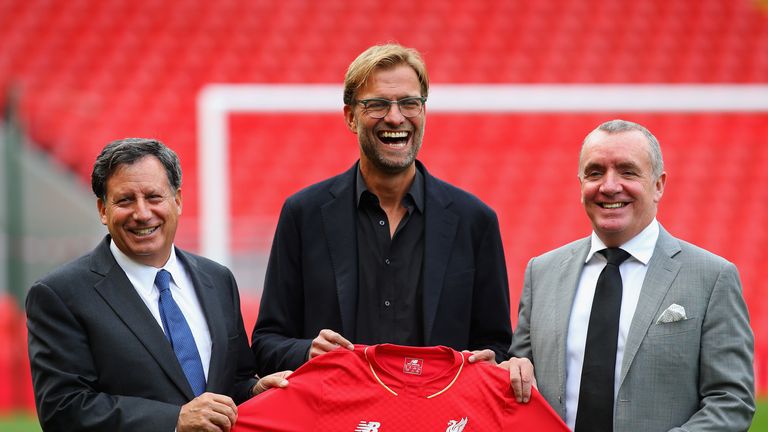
[(141, 211), (388, 145), (618, 188)]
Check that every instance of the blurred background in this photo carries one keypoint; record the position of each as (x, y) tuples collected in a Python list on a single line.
[(77, 74)]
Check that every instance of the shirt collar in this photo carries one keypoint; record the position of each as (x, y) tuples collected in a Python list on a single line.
[(143, 273), (416, 190), (640, 246)]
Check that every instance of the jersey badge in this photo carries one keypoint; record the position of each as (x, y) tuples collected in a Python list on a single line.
[(456, 426)]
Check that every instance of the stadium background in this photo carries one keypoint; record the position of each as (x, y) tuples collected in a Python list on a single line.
[(77, 74)]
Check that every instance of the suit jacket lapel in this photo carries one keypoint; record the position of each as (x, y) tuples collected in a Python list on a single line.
[(209, 302), (662, 269), (119, 293), (568, 280), (338, 216), (440, 226)]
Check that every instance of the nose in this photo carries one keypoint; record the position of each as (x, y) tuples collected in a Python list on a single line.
[(611, 184), (141, 210), (394, 116)]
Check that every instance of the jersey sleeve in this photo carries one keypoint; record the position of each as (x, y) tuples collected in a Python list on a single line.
[(291, 409), (535, 415), (295, 408)]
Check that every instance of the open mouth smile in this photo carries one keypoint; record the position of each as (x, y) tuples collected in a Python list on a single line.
[(394, 138), (143, 232), (615, 205)]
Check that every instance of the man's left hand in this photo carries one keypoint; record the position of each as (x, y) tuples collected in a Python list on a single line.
[(277, 379), (482, 355)]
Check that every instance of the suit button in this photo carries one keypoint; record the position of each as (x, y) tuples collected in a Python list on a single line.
[(387, 261), (387, 303)]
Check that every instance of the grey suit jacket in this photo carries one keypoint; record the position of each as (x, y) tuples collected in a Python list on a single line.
[(100, 361), (691, 375)]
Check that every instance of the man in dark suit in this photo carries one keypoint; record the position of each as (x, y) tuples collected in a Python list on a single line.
[(384, 252), (111, 347), (680, 354)]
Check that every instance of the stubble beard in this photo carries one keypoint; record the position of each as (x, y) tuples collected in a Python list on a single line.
[(381, 162)]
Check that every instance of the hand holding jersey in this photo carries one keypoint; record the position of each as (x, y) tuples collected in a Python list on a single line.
[(327, 341), (521, 376), (390, 387)]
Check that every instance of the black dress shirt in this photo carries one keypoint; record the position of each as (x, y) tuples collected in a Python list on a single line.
[(389, 308)]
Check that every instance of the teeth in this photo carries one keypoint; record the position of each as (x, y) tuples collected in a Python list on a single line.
[(145, 231), (400, 134), (613, 205)]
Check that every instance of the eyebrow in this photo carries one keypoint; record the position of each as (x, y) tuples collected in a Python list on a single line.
[(590, 166), (621, 165), (628, 164)]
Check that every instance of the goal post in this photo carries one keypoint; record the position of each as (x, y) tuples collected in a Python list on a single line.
[(215, 102)]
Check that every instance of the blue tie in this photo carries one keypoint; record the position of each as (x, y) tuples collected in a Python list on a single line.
[(178, 333)]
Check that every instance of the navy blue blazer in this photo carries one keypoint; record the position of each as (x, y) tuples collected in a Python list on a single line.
[(101, 362), (312, 281)]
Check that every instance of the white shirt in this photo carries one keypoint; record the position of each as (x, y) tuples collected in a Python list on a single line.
[(633, 272), (143, 279)]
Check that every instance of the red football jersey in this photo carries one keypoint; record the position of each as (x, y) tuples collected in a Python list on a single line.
[(390, 388)]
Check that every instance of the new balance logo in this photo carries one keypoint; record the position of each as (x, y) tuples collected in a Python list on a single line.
[(413, 366), (366, 426), (456, 426)]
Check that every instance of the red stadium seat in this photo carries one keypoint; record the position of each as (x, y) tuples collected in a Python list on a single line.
[(91, 72)]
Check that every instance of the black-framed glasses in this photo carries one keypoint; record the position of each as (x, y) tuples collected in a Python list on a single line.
[(379, 108)]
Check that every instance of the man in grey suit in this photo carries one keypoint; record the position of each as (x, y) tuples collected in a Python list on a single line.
[(112, 346), (684, 347)]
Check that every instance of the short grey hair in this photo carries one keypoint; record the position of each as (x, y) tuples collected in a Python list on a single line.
[(618, 126)]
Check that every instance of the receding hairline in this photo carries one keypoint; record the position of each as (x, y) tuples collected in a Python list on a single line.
[(619, 126)]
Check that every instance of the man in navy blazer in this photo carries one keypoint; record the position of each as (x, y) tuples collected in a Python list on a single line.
[(100, 357), (384, 252)]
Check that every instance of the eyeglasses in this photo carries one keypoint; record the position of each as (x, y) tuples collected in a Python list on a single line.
[(379, 108)]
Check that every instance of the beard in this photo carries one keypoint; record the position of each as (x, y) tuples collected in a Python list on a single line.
[(372, 149)]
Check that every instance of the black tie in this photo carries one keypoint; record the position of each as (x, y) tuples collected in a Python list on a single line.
[(595, 411)]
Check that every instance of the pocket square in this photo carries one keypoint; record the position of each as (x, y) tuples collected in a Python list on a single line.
[(674, 313)]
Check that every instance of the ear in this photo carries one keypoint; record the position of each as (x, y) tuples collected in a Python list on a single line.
[(581, 188), (659, 187), (102, 210), (178, 200), (349, 117)]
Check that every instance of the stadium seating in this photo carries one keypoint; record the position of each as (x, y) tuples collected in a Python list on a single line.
[(91, 71)]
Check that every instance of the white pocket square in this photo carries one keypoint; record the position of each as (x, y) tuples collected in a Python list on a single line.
[(674, 313)]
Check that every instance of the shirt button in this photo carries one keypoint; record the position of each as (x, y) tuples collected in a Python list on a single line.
[(387, 261), (381, 222), (387, 303)]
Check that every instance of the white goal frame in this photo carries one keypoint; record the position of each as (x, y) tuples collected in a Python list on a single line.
[(216, 102)]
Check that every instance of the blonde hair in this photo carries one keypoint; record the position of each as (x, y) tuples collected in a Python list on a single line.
[(383, 57)]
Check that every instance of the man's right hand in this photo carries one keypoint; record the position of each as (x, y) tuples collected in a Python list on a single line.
[(521, 377), (209, 412), (327, 341)]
